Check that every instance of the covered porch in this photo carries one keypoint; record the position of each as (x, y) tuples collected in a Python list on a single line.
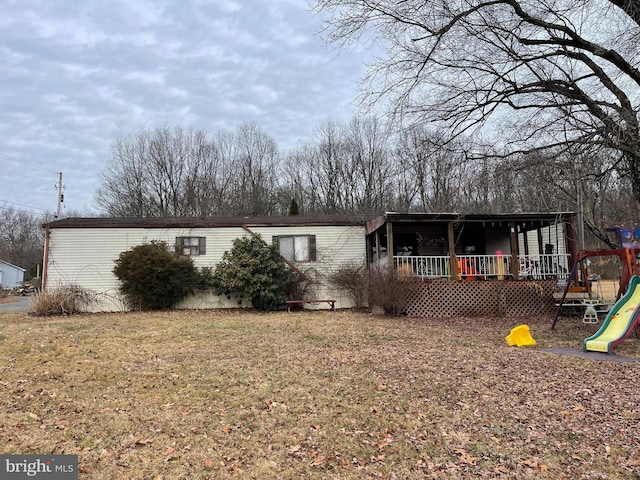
[(450, 246)]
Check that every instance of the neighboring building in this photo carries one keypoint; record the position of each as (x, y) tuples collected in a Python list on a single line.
[(428, 246), (11, 275)]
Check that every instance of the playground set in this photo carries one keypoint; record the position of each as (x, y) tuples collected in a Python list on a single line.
[(623, 317)]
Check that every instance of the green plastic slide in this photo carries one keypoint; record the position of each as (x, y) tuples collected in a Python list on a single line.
[(619, 323)]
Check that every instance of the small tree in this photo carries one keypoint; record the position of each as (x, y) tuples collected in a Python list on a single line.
[(154, 278), (254, 269), (293, 208)]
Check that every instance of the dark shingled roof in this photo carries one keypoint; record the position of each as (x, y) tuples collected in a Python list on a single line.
[(193, 222)]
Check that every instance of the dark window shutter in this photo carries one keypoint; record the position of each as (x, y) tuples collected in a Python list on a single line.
[(179, 245), (202, 246), (312, 248)]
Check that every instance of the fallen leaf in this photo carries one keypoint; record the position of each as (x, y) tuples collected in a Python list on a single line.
[(319, 460), (465, 457)]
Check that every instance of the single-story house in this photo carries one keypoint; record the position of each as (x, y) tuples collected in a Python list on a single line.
[(430, 247), (82, 251), (10, 275)]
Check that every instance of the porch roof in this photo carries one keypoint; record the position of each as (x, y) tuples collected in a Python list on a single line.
[(526, 221)]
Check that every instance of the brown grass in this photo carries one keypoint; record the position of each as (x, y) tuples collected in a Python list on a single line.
[(231, 394)]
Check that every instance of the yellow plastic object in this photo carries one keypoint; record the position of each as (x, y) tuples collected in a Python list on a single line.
[(520, 336)]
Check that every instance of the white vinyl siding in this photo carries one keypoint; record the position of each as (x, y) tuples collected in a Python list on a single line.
[(86, 256)]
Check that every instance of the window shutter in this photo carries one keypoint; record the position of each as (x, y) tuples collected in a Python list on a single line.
[(274, 239), (178, 245), (202, 246), (312, 248)]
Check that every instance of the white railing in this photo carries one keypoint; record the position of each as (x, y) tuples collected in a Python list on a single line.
[(484, 266), (424, 267), (540, 267), (495, 267)]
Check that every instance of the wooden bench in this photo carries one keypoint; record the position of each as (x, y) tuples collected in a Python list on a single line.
[(291, 303)]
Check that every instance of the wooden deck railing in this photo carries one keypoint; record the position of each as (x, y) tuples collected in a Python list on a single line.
[(485, 267)]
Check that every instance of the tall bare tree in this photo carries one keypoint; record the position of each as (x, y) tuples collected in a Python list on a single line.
[(173, 172), (533, 74), (347, 168), (257, 171), (22, 239)]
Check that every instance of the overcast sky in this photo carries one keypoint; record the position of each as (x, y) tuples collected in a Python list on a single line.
[(77, 74)]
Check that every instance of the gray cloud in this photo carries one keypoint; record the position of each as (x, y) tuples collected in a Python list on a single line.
[(76, 75)]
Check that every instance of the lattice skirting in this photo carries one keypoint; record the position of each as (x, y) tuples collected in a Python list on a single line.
[(438, 298)]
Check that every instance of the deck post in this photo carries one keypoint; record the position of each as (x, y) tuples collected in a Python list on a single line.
[(452, 251), (390, 243), (513, 238)]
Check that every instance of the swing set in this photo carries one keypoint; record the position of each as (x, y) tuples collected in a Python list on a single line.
[(577, 291)]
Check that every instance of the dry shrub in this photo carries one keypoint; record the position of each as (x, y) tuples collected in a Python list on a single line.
[(353, 280), (388, 290), (63, 300)]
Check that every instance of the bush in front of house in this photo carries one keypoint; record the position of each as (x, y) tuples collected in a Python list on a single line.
[(388, 290), (62, 300), (254, 269), (155, 278), (353, 280)]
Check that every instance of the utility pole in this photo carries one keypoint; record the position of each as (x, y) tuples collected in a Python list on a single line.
[(60, 195)]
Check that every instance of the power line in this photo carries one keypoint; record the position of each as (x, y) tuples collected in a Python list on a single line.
[(25, 176), (27, 163), (30, 212), (25, 206)]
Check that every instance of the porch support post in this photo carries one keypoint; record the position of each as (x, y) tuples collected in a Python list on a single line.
[(390, 243), (541, 240), (513, 237), (377, 234), (452, 251)]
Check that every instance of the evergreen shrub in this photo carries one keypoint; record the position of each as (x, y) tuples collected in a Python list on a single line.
[(254, 269), (154, 278)]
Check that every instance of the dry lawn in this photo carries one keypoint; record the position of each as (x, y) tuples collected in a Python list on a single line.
[(229, 394)]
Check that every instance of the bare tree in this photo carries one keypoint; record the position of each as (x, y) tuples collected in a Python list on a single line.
[(22, 239), (257, 170), (173, 172), (371, 172), (533, 74), (434, 171), (347, 168)]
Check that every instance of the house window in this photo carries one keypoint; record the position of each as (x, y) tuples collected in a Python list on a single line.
[(297, 248), (191, 245)]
